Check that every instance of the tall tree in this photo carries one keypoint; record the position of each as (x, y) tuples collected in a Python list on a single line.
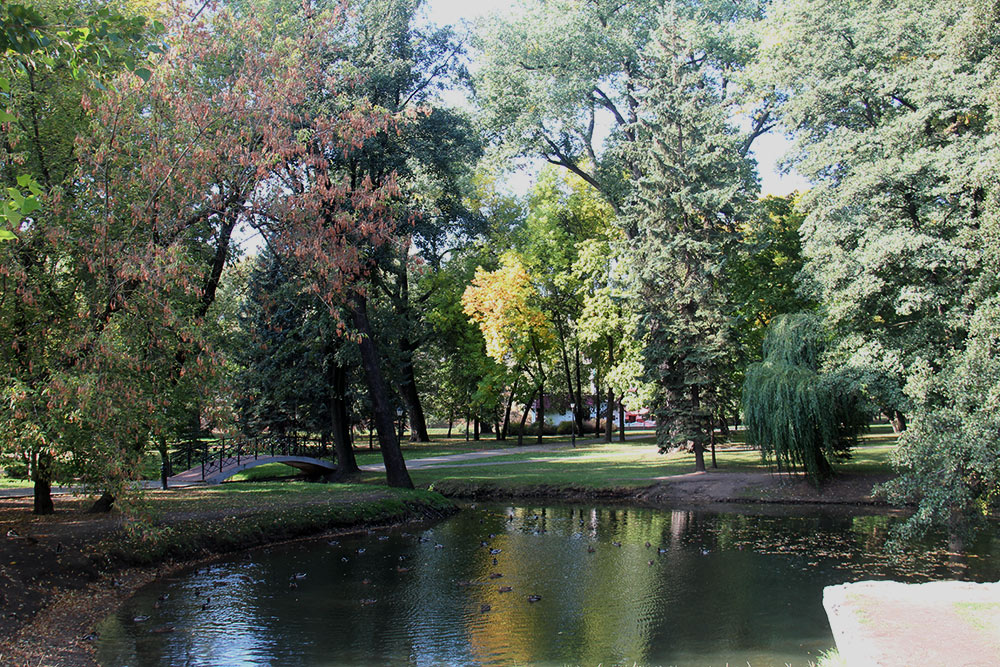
[(948, 458), (517, 333), (891, 134), (698, 186), (559, 74)]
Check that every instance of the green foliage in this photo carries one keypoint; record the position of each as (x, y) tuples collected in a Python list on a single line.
[(890, 125), (554, 68), (698, 187), (793, 412), (41, 39), (894, 107)]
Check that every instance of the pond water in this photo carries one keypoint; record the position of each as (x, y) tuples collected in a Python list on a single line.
[(712, 588)]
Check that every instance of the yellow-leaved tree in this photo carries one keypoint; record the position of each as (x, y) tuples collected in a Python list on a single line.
[(504, 304)]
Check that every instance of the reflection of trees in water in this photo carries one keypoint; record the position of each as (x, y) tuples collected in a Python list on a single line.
[(725, 582), (678, 526)]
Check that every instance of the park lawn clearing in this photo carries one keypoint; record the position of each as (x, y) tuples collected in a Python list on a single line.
[(631, 464), (13, 483)]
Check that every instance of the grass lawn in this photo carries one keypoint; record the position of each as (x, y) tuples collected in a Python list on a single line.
[(237, 515), (443, 446), (620, 465), (630, 464)]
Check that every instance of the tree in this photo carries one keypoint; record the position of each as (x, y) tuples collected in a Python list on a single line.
[(293, 366), (563, 213), (516, 331), (948, 458), (793, 411), (559, 73), (110, 285), (698, 186), (89, 46), (895, 120), (891, 134)]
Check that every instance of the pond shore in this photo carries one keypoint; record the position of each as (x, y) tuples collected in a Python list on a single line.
[(62, 574), (692, 489)]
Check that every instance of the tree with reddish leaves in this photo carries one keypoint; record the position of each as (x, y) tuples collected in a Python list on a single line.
[(107, 290)]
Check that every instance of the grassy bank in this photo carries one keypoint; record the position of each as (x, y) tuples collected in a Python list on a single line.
[(74, 557), (619, 466), (240, 515)]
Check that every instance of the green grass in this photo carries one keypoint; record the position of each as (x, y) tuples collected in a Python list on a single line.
[(227, 517), (265, 472), (12, 483), (983, 616), (442, 446), (621, 464), (831, 658)]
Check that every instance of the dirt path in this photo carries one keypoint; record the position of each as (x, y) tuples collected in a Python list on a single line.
[(720, 486)]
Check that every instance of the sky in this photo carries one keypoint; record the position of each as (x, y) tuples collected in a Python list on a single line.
[(768, 149)]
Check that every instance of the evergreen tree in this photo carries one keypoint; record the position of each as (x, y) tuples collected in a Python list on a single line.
[(698, 185), (294, 367)]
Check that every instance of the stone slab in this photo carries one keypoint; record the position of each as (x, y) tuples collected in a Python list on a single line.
[(892, 624)]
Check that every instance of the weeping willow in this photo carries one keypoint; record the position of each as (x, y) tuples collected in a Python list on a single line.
[(796, 415)]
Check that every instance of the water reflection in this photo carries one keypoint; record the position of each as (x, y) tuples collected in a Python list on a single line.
[(613, 586)]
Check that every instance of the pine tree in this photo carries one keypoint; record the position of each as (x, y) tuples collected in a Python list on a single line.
[(698, 185)]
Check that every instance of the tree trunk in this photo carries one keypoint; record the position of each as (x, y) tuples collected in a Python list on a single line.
[(42, 476), (103, 504), (597, 405), (524, 417), (621, 420), (475, 429), (451, 420), (164, 461), (411, 397), (510, 404), (579, 392), (611, 395), (540, 417), (467, 427), (570, 390), (697, 445), (610, 418), (408, 380), (711, 439), (340, 422), (395, 467), (898, 421)]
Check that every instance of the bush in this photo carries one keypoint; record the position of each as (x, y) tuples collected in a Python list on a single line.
[(565, 428), (532, 429)]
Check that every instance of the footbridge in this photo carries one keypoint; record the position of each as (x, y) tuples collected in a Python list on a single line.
[(213, 461)]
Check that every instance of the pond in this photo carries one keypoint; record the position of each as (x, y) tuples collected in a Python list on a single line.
[(579, 585)]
